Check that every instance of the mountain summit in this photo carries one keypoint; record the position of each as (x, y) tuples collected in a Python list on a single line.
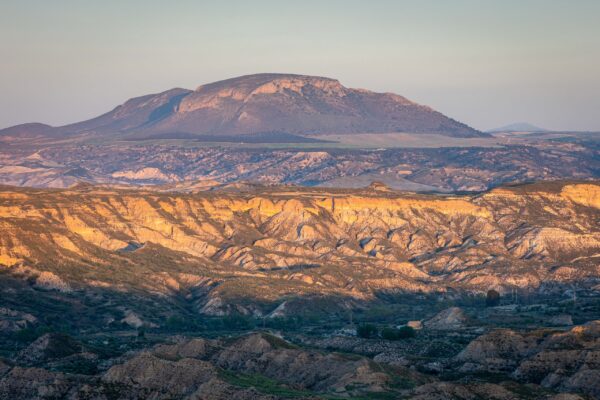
[(266, 103)]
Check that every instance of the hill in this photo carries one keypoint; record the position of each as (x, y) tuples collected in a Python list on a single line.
[(259, 104), (247, 250)]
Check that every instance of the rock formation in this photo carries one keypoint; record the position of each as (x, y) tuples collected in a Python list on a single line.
[(312, 244)]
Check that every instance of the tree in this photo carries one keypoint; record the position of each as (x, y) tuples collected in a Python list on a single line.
[(141, 333), (404, 332), (237, 322), (492, 299), (366, 331)]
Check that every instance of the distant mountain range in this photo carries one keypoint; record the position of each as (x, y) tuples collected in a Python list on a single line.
[(518, 127), (261, 104)]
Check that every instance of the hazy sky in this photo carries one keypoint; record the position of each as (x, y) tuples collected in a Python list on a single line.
[(486, 63)]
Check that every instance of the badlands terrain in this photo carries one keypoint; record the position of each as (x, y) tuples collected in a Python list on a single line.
[(279, 236), (412, 162), (243, 291)]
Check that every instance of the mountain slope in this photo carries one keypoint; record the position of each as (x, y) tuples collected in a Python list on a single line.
[(254, 104), (248, 251)]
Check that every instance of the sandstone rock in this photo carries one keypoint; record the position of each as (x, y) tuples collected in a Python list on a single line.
[(132, 319), (565, 361), (497, 351), (243, 240), (417, 325), (13, 320), (276, 359), (34, 383), (279, 311), (449, 319), (171, 378), (135, 321), (50, 281), (195, 348), (584, 381)]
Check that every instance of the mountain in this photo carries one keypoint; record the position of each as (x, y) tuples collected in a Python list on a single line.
[(259, 104), (518, 127)]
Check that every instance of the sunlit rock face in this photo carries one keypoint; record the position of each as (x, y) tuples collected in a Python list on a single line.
[(217, 247)]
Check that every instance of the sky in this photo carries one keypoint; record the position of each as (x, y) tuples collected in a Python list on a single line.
[(484, 63)]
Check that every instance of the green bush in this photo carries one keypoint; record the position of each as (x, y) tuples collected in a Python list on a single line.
[(366, 331), (177, 323), (404, 332), (237, 322), (29, 334), (492, 299), (286, 324)]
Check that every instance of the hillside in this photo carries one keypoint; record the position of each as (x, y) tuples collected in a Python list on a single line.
[(248, 250), (260, 104)]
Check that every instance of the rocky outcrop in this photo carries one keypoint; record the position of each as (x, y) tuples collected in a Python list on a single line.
[(450, 319), (48, 347), (13, 320), (565, 361), (265, 367), (272, 357), (195, 348), (497, 351), (171, 378), (34, 383), (282, 243)]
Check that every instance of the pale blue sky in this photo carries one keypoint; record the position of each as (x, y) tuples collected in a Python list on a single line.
[(486, 63)]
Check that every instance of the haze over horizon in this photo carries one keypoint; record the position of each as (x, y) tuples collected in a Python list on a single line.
[(484, 64)]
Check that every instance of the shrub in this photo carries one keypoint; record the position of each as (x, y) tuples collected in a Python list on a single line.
[(492, 299), (404, 332), (366, 331), (237, 322), (177, 323)]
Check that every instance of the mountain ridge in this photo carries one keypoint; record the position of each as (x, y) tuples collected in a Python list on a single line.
[(258, 104)]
